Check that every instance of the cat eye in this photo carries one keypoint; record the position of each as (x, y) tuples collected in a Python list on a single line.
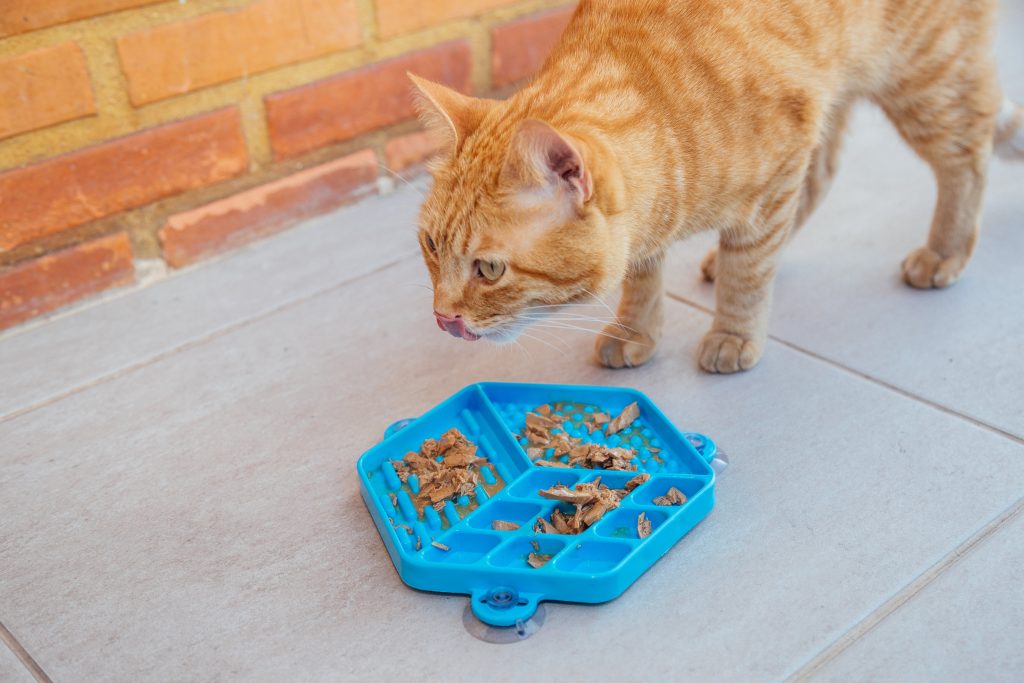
[(490, 270), (431, 245)]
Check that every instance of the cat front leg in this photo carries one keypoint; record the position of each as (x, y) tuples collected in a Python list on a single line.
[(744, 276), (632, 339)]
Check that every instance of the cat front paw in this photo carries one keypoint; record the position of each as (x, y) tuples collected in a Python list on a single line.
[(927, 269), (726, 353), (620, 348)]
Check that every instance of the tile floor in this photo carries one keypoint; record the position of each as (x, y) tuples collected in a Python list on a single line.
[(179, 499)]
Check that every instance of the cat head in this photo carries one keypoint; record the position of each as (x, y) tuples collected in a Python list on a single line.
[(512, 226)]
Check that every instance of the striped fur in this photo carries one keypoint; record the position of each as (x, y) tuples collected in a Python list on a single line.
[(655, 119)]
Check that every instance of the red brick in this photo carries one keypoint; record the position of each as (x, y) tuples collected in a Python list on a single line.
[(44, 87), (19, 16), (55, 280), (402, 16), (214, 48), (409, 150), (192, 235), (76, 188), (346, 105), (520, 47)]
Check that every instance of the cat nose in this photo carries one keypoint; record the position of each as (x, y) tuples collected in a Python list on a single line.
[(444, 321)]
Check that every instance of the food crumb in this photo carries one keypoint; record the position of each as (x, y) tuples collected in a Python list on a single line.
[(456, 475), (541, 439), (643, 525), (537, 560), (543, 526), (440, 546), (502, 525), (624, 419), (638, 480), (597, 420), (596, 456), (591, 500), (550, 463), (672, 497)]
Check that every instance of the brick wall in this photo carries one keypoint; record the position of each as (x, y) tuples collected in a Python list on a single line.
[(169, 130)]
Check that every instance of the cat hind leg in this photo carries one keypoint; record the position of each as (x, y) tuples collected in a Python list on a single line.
[(950, 123)]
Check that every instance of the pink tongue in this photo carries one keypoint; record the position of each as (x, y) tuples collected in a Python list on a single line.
[(458, 329)]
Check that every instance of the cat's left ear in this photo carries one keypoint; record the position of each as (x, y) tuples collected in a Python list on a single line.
[(544, 159), (447, 114)]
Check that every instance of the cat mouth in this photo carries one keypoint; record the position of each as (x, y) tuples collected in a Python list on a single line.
[(458, 329)]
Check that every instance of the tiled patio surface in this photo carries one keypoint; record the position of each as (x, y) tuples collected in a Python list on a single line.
[(179, 502)]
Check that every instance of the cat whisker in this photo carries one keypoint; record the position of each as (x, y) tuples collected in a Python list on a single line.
[(599, 300), (568, 315), (584, 314), (524, 349), (542, 341), (582, 319), (600, 333), (403, 179), (552, 336), (581, 305)]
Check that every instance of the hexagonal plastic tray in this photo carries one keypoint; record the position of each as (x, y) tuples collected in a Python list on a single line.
[(490, 566)]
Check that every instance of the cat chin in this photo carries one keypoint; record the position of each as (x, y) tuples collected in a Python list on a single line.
[(502, 336)]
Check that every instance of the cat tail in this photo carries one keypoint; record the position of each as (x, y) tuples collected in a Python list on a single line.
[(1009, 139)]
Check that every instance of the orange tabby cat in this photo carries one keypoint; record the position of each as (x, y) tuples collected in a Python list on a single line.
[(655, 119)]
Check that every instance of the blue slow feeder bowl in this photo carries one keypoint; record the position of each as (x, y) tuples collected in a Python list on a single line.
[(490, 566)]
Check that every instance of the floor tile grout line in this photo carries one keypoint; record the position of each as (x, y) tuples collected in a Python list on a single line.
[(312, 295), (981, 424), (23, 655), (999, 431), (196, 342), (905, 594)]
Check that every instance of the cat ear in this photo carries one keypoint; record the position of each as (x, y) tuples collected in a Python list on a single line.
[(448, 114), (543, 158)]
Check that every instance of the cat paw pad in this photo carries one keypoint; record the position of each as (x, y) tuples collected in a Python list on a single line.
[(926, 269), (617, 348), (725, 353)]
